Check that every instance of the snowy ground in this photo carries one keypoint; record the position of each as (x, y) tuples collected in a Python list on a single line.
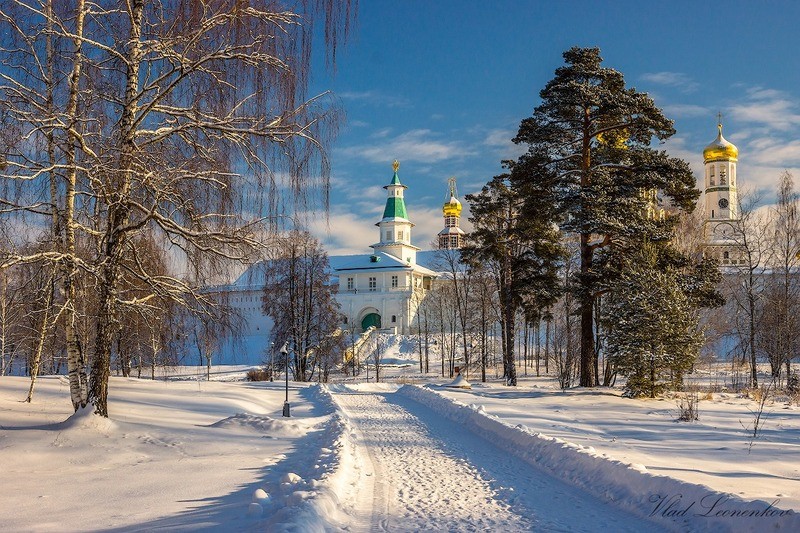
[(188, 454)]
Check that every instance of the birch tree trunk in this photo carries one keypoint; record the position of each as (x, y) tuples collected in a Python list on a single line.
[(76, 362), (117, 217)]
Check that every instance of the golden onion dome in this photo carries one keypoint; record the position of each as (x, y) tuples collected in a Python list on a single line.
[(720, 149), (452, 208)]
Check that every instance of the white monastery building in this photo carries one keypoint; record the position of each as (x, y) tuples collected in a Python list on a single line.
[(382, 289)]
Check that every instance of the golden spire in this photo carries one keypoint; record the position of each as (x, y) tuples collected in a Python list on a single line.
[(396, 165)]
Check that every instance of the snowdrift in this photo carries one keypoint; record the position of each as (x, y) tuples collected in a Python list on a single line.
[(310, 501), (669, 502)]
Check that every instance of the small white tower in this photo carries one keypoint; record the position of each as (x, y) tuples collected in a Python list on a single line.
[(721, 202), (395, 228), (452, 236)]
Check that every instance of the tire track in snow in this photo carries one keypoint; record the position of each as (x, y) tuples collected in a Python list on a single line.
[(442, 477)]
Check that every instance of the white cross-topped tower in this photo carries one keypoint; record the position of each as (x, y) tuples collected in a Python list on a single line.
[(395, 228), (721, 202)]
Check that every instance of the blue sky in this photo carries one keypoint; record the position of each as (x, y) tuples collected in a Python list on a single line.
[(443, 85)]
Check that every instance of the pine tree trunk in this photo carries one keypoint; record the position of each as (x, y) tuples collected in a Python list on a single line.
[(587, 378)]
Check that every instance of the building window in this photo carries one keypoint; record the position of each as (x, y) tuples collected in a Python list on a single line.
[(345, 320), (373, 284), (454, 241), (394, 282), (722, 174), (350, 284), (399, 235), (726, 255), (394, 319), (388, 235)]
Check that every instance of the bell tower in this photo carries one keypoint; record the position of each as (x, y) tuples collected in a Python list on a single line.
[(721, 201), (395, 228), (452, 236)]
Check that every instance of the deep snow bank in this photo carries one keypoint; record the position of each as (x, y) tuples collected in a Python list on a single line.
[(667, 501), (310, 501)]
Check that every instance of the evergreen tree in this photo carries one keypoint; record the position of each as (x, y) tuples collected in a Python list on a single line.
[(652, 322), (589, 142), (521, 248)]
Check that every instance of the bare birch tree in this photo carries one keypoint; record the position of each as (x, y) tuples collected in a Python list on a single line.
[(749, 237), (180, 118)]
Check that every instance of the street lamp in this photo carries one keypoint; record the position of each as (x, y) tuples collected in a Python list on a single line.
[(285, 352)]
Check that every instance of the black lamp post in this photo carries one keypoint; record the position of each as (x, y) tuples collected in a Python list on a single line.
[(285, 352)]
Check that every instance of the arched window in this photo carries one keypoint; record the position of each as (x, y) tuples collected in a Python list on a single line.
[(394, 319), (711, 178)]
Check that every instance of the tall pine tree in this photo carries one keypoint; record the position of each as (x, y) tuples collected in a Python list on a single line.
[(590, 140)]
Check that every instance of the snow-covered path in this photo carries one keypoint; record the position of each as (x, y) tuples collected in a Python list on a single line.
[(429, 474)]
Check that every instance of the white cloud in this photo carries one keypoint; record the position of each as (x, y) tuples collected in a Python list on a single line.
[(685, 110), (771, 151), (422, 145), (344, 233), (672, 79), (375, 98), (498, 137), (500, 140), (769, 107), (381, 133), (679, 146)]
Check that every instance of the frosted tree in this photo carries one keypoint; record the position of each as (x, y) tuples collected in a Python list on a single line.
[(519, 247), (779, 335), (653, 335), (186, 120), (591, 138), (459, 276), (298, 297)]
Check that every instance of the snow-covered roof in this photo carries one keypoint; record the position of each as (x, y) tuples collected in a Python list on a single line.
[(254, 277), (375, 261)]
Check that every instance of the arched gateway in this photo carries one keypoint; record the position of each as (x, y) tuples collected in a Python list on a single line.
[(372, 319)]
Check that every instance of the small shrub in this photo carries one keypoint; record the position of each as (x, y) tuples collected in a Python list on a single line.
[(793, 384), (688, 407), (259, 374)]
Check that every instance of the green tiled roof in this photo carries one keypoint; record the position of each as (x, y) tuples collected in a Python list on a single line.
[(395, 208), (395, 180)]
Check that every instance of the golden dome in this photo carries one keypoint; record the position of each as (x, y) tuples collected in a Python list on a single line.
[(720, 149), (452, 208)]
